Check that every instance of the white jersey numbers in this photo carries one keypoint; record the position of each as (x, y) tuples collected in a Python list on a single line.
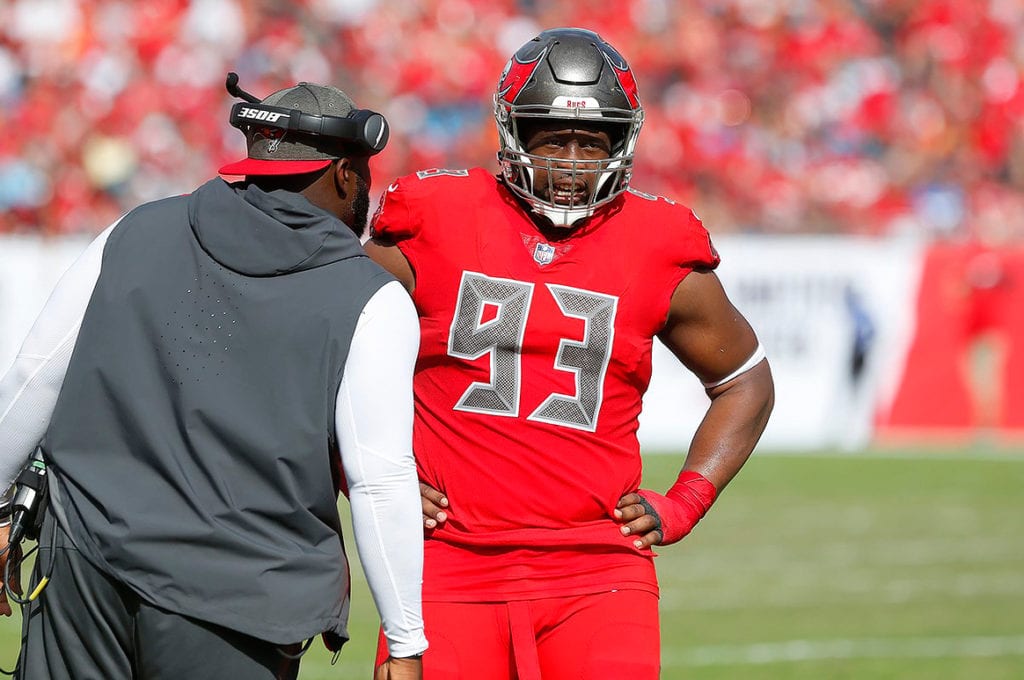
[(502, 337), (490, 318), (588, 358), (441, 172)]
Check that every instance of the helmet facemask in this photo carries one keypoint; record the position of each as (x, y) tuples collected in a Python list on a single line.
[(519, 167)]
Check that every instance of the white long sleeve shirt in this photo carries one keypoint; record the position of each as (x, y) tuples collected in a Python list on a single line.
[(373, 422)]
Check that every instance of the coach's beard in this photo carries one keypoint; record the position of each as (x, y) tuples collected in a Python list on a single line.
[(360, 207)]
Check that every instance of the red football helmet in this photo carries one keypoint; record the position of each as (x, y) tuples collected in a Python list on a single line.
[(570, 74)]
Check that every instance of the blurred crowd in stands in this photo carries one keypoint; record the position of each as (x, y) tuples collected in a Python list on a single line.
[(875, 117)]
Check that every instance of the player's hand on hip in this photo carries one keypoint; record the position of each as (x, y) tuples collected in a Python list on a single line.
[(434, 504), (14, 553), (635, 521), (400, 669), (677, 511)]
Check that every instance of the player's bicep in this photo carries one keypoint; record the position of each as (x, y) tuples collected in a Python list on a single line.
[(705, 331), (389, 256)]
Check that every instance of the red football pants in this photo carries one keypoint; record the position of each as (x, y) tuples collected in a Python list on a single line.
[(587, 637)]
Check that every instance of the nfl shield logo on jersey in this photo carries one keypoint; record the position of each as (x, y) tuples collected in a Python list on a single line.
[(543, 253)]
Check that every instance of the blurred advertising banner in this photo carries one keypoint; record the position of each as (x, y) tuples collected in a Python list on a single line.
[(835, 317)]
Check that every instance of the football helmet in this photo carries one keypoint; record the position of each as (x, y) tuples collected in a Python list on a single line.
[(570, 74)]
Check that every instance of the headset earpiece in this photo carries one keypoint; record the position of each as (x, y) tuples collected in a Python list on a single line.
[(373, 130)]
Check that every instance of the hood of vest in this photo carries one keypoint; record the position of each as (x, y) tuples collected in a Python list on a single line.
[(259, 233)]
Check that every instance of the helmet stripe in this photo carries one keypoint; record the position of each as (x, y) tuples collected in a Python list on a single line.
[(516, 75), (626, 81)]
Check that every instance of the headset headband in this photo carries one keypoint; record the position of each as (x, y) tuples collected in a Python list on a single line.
[(368, 130)]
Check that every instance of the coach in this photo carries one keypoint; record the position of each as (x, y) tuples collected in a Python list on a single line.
[(190, 384)]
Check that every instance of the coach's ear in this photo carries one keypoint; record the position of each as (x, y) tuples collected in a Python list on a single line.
[(344, 180)]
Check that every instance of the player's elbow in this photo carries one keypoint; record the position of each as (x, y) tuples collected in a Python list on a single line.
[(749, 397)]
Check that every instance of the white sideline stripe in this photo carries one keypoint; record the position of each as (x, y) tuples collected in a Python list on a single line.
[(864, 648)]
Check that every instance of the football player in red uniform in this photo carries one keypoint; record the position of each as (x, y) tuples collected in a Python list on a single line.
[(539, 292)]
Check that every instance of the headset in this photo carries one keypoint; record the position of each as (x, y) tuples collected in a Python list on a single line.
[(367, 130)]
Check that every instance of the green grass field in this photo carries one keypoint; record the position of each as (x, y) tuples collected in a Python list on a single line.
[(908, 567)]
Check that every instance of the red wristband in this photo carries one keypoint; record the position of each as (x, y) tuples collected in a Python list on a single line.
[(682, 506)]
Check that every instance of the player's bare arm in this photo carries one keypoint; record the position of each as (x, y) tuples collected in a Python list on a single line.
[(712, 339), (388, 255)]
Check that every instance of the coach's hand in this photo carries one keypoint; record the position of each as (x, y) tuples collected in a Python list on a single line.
[(400, 669), (434, 503), (15, 553), (636, 522)]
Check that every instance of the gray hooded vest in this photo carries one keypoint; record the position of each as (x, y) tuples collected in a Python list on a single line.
[(192, 442)]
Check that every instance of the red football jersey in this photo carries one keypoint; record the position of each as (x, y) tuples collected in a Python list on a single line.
[(534, 357)]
